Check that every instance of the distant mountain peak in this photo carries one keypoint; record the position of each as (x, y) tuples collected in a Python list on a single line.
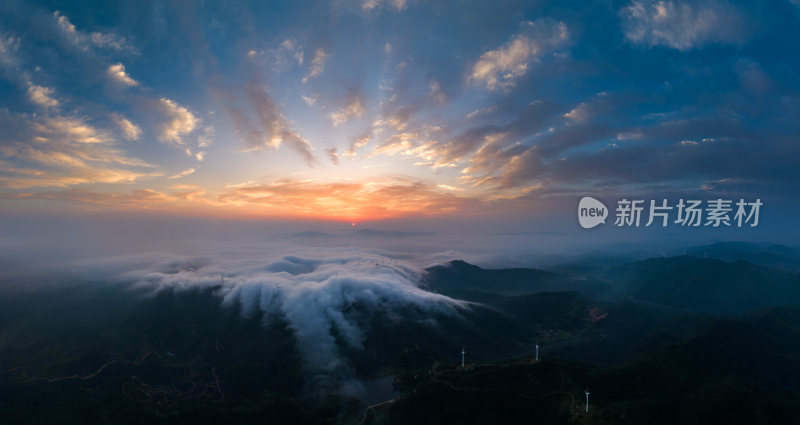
[(385, 233), (313, 234)]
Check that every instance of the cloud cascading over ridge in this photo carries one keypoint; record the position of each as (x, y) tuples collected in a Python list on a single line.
[(318, 292)]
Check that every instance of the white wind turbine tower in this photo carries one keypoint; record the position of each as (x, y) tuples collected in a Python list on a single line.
[(587, 400), (462, 356)]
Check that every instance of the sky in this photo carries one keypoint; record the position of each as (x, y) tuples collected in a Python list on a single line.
[(491, 116)]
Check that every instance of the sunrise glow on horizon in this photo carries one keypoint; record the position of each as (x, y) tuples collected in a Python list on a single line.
[(363, 111)]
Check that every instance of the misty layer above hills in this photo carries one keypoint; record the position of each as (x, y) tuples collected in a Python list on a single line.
[(683, 282), (327, 298), (360, 233), (764, 254), (301, 335)]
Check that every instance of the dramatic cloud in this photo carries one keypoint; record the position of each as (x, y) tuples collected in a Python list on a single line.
[(358, 143), (139, 198), (130, 130), (394, 5), (347, 200), (290, 50), (683, 25), (118, 74), (500, 68), (79, 174), (579, 113), (85, 41), (487, 149), (317, 65), (398, 143), (183, 173), (274, 129), (478, 112), (42, 96), (513, 105), (436, 93), (180, 121), (8, 48), (287, 56), (353, 108), (70, 130), (110, 41), (67, 27), (63, 151), (333, 156)]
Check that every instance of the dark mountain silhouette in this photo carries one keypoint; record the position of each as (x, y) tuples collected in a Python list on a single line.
[(770, 255), (738, 371), (678, 340), (707, 285), (461, 276)]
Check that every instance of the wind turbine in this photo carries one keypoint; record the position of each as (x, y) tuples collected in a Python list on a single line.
[(587, 400), (537, 351), (462, 356)]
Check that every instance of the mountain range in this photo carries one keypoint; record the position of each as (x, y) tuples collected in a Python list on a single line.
[(670, 340)]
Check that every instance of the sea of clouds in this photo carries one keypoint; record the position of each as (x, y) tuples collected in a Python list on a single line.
[(310, 288)]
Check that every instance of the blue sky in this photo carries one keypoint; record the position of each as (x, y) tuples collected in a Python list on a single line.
[(359, 111)]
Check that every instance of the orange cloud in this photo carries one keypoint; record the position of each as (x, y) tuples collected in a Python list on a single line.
[(63, 151), (349, 201), (141, 198)]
